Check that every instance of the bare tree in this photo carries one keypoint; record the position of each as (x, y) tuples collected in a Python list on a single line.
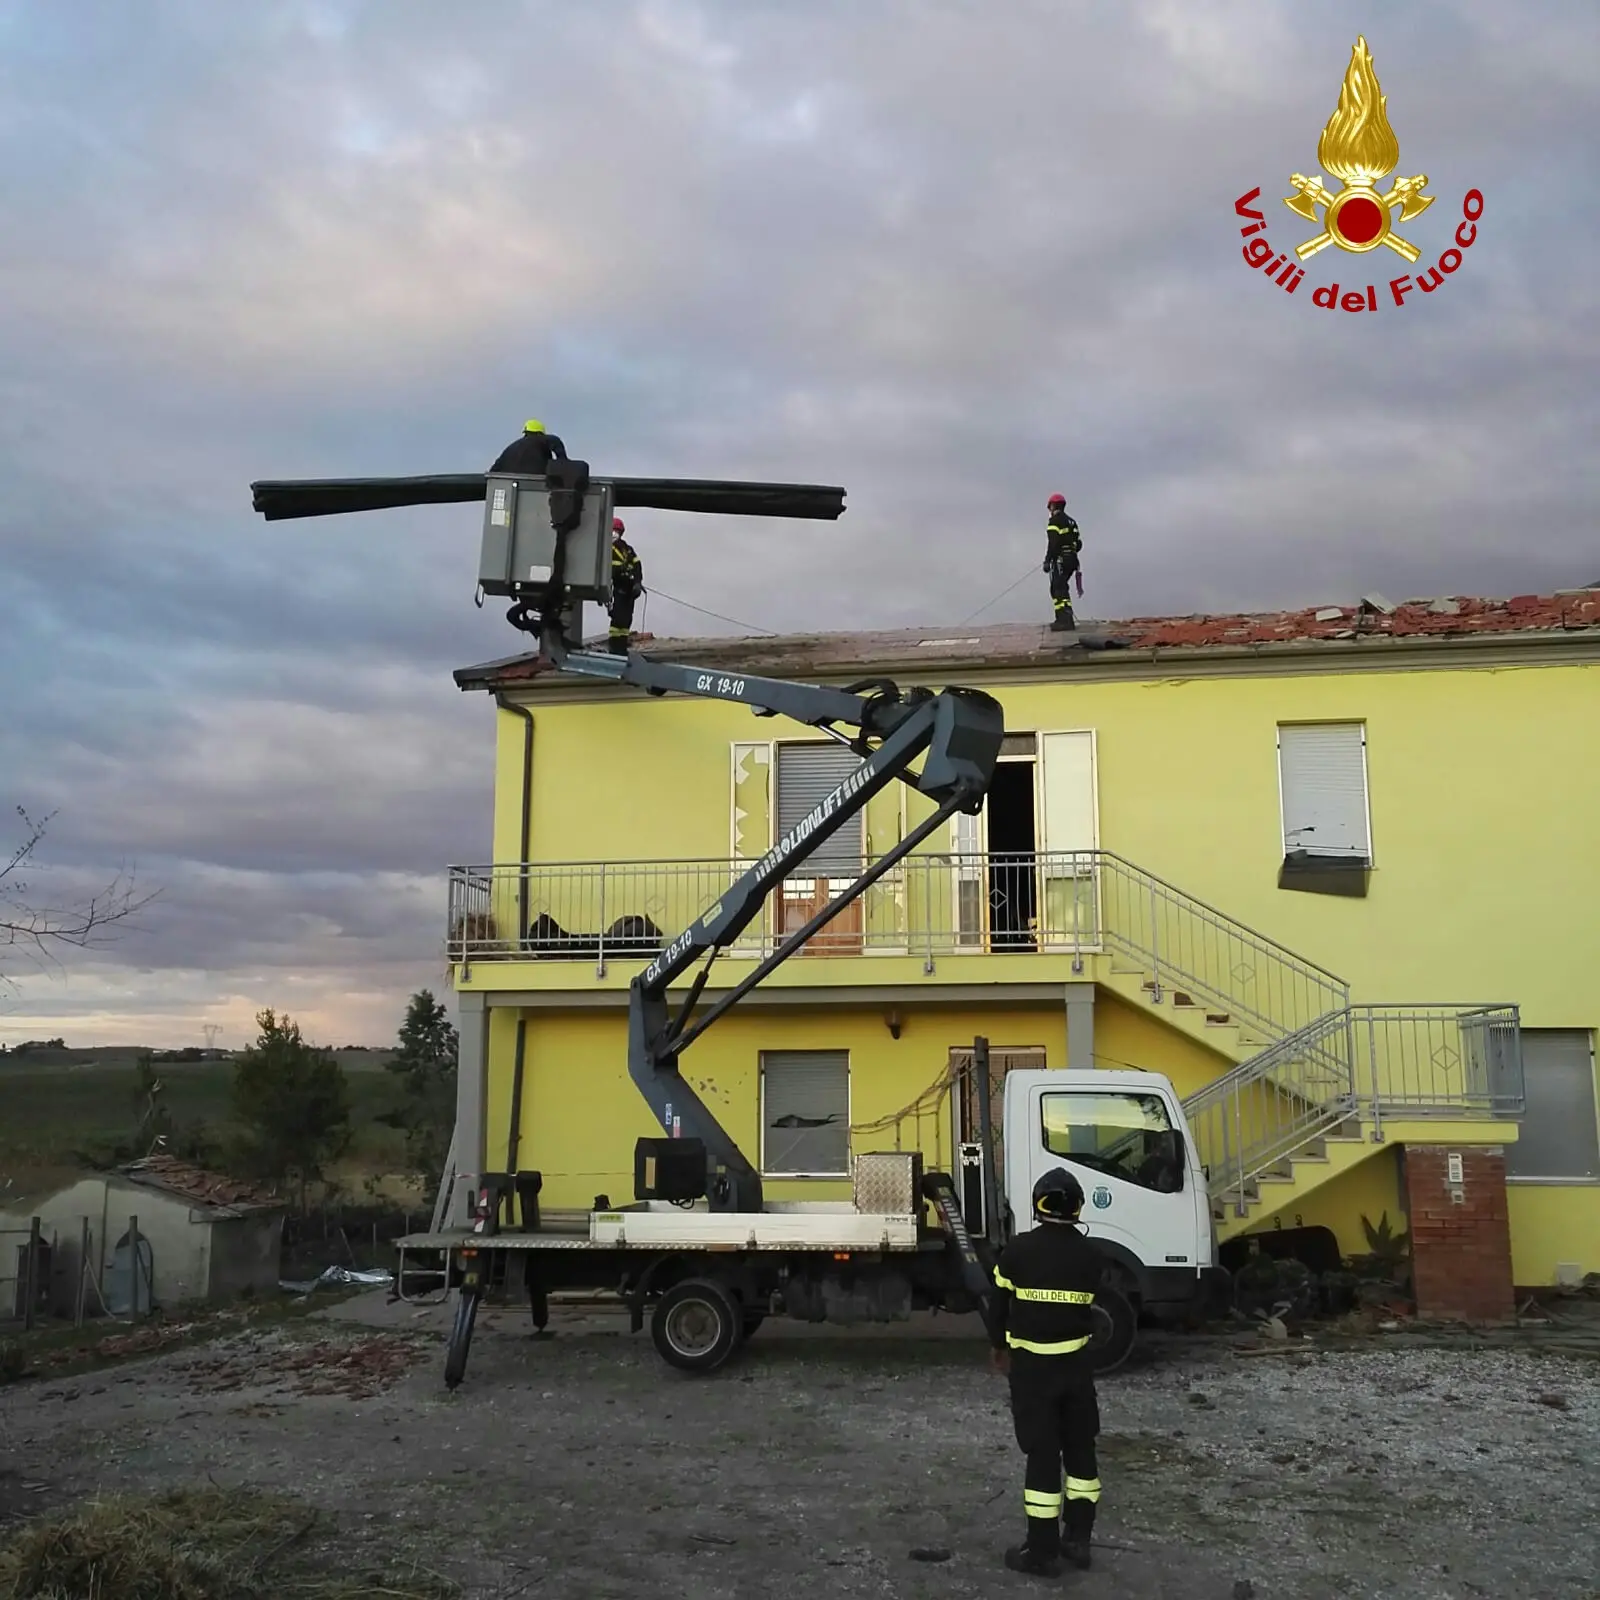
[(34, 930)]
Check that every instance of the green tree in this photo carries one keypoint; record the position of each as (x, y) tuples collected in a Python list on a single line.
[(293, 1104), (425, 1061)]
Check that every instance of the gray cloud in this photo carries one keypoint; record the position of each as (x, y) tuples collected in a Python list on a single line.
[(950, 256)]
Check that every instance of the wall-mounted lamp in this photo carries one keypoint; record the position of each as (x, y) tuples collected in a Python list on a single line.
[(891, 1020)]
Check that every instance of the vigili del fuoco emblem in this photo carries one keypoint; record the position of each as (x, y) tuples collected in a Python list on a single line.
[(1358, 147)]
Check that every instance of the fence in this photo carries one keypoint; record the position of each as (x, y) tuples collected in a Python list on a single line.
[(30, 1276)]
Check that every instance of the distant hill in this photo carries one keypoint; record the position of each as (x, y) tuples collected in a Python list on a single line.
[(353, 1058)]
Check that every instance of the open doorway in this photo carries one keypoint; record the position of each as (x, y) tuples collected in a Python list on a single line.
[(1013, 885)]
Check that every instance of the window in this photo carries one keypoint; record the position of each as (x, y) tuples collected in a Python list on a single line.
[(1322, 784), (1129, 1136), (1559, 1136), (807, 773), (805, 1113)]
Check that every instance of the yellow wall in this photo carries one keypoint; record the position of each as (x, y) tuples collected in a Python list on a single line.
[(1483, 783), (1126, 1037), (1366, 1190), (1551, 1223), (581, 1113)]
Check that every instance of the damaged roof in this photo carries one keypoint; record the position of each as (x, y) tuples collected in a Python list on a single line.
[(1032, 645), (198, 1186)]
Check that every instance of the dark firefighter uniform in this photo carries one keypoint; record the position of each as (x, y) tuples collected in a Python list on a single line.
[(532, 453), (627, 584), (1063, 544), (1040, 1317)]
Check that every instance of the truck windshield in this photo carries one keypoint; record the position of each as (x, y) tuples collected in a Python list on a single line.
[(1129, 1136)]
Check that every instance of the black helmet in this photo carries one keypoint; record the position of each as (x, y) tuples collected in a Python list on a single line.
[(1058, 1195)]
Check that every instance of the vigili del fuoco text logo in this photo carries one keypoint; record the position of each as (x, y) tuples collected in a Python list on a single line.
[(1358, 149)]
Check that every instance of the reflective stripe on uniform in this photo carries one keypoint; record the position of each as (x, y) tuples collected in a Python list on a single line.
[(1083, 1488), (1060, 1297), (1041, 1503), (1064, 1347), (1001, 1281)]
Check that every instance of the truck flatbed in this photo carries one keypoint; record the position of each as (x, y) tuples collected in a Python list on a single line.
[(822, 1226)]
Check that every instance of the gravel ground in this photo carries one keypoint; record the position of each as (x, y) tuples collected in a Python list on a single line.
[(580, 1466)]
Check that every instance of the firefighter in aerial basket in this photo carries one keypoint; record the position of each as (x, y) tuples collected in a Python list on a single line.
[(531, 451), (627, 584), (1040, 1322)]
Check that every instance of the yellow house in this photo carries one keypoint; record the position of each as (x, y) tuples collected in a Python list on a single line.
[(1334, 872)]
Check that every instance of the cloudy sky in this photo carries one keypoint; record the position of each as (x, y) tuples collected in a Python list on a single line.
[(952, 256)]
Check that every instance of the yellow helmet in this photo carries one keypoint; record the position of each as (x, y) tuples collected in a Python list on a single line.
[(533, 425)]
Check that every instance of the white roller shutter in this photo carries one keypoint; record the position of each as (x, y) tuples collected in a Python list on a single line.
[(807, 774), (805, 1112), (1559, 1136), (1322, 772)]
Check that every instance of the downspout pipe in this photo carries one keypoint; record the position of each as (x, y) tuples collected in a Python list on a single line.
[(524, 830)]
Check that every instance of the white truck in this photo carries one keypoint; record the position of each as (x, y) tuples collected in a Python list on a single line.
[(908, 1241)]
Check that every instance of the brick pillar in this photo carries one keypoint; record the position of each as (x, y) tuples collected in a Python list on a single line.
[(1460, 1233)]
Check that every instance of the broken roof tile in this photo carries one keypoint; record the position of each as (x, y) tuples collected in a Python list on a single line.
[(189, 1182), (1034, 645)]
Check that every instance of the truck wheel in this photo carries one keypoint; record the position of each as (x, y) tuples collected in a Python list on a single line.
[(1116, 1325), (455, 1356), (696, 1325)]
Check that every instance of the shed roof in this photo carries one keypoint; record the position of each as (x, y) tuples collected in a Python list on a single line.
[(198, 1186), (1372, 620)]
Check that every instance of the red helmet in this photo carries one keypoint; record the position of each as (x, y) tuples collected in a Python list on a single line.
[(1057, 500), (616, 525)]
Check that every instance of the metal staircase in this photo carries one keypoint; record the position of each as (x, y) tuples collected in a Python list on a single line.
[(1189, 955), (1318, 1076)]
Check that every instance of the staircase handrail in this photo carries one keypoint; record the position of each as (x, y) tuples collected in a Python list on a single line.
[(1273, 947)]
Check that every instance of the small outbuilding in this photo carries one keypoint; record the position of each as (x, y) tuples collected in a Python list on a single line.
[(195, 1235)]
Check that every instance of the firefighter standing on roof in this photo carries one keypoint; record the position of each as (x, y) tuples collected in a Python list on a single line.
[(1040, 1325), (1063, 543), (627, 584)]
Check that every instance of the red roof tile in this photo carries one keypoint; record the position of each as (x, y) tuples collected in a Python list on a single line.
[(194, 1183), (1025, 644)]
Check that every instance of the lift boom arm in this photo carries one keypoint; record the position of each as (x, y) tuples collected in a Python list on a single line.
[(958, 731)]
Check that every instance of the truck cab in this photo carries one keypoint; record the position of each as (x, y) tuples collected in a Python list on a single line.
[(1146, 1202)]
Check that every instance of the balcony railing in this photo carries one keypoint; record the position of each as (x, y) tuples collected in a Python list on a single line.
[(929, 905), (1366, 1062)]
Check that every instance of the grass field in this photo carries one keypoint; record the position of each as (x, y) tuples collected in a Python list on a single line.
[(58, 1106)]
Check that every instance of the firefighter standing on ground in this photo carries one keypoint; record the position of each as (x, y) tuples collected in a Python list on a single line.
[(1040, 1325), (1063, 543), (532, 453), (627, 584)]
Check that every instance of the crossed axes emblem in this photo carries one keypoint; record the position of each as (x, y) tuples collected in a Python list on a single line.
[(1406, 193)]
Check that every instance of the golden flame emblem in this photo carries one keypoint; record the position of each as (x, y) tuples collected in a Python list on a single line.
[(1358, 147)]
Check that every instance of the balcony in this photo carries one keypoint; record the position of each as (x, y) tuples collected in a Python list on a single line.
[(1068, 907), (928, 905)]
